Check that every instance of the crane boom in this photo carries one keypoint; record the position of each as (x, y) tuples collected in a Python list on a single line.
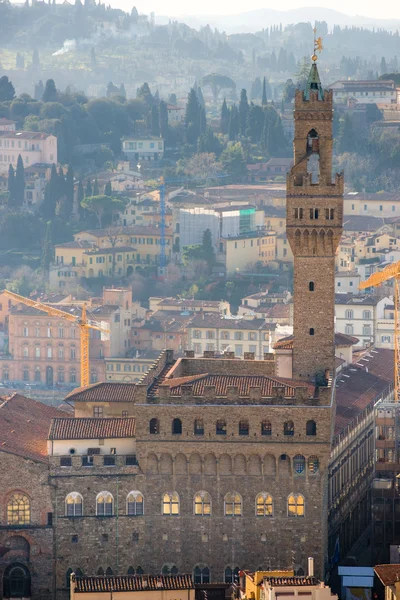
[(83, 323), (374, 280)]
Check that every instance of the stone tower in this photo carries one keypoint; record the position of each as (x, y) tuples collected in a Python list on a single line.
[(314, 226)]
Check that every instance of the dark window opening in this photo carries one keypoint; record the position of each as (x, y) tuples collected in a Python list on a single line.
[(288, 428), (314, 213), (109, 461), (311, 287), (220, 428), (312, 331), (266, 428), (311, 428), (199, 427), (243, 428), (176, 426), (154, 426)]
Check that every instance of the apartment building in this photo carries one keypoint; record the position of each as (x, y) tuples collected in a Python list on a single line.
[(213, 333), (34, 147), (242, 252), (359, 315), (130, 369), (146, 148), (364, 92)]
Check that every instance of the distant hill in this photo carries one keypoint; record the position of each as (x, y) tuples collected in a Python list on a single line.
[(255, 20)]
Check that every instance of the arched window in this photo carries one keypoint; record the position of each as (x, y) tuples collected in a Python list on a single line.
[(131, 571), (74, 505), (288, 428), (243, 427), (266, 428), (299, 464), (199, 427), (104, 504), (135, 504), (16, 581), (349, 330), (349, 314), (154, 426), (176, 426), (18, 510), (233, 504), (170, 504), (311, 287), (169, 570), (220, 427), (264, 505), (311, 428), (231, 575), (202, 504), (100, 571), (201, 575), (79, 572), (139, 571), (296, 505), (313, 465), (109, 572)]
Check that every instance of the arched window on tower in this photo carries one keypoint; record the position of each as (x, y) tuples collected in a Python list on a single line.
[(313, 155)]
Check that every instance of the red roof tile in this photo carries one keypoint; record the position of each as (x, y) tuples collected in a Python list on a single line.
[(134, 583), (104, 392), (24, 424), (341, 339), (292, 581), (92, 428), (388, 574)]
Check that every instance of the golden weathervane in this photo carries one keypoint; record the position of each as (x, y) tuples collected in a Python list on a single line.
[(317, 45)]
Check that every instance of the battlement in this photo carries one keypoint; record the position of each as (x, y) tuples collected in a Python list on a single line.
[(301, 184), (314, 100)]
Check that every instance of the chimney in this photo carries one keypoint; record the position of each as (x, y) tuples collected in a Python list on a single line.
[(310, 566)]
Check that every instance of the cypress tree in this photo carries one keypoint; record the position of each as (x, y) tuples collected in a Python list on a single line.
[(225, 116), (11, 184), (264, 100), (234, 123), (202, 121), (107, 189), (69, 191), (192, 118), (89, 189), (155, 126), (47, 248), (51, 194), (19, 186), (163, 119), (81, 195), (243, 111), (96, 190)]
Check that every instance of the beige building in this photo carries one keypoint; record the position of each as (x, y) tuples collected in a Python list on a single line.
[(130, 369), (244, 251), (283, 250), (34, 147)]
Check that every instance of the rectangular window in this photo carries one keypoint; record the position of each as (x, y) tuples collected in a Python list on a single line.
[(73, 353), (25, 352), (25, 332), (298, 213), (37, 352), (314, 213), (61, 332), (98, 412), (49, 352), (238, 349)]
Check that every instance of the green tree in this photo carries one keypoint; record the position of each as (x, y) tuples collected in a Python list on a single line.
[(255, 123), (217, 83), (264, 100), (233, 161), (243, 112), (163, 120), (69, 191), (234, 123), (346, 141), (289, 91), (96, 190), (145, 94), (102, 205), (256, 89), (51, 195), (225, 115), (7, 91), (50, 93), (81, 195), (192, 118), (208, 142), (108, 189), (19, 185), (47, 248), (202, 166), (155, 124), (11, 184), (208, 248), (303, 71), (89, 189)]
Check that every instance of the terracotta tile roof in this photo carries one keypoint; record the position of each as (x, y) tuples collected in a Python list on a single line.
[(341, 339), (133, 583), (388, 574), (361, 383), (92, 428), (205, 320), (279, 310), (104, 392), (24, 424), (292, 581), (242, 382)]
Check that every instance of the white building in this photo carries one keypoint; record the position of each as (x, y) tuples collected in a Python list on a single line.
[(176, 114), (359, 315), (347, 282), (364, 92), (143, 148), (7, 124), (34, 147)]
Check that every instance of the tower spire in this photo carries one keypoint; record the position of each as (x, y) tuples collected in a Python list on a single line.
[(313, 81)]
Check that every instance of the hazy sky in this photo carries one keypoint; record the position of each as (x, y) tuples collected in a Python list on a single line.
[(368, 8)]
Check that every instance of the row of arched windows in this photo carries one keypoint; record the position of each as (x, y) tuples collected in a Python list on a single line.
[(221, 427), (202, 504)]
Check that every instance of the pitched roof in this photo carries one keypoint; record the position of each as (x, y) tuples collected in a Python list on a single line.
[(369, 300), (204, 320), (133, 583), (242, 382), (91, 428), (341, 339), (104, 391), (292, 581), (24, 424), (388, 574)]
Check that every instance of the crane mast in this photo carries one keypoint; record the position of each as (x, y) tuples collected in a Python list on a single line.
[(83, 323)]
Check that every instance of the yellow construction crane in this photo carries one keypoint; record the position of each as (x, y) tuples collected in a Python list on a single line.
[(390, 272), (83, 323)]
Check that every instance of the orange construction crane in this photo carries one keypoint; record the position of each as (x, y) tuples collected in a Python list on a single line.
[(82, 321), (390, 272)]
